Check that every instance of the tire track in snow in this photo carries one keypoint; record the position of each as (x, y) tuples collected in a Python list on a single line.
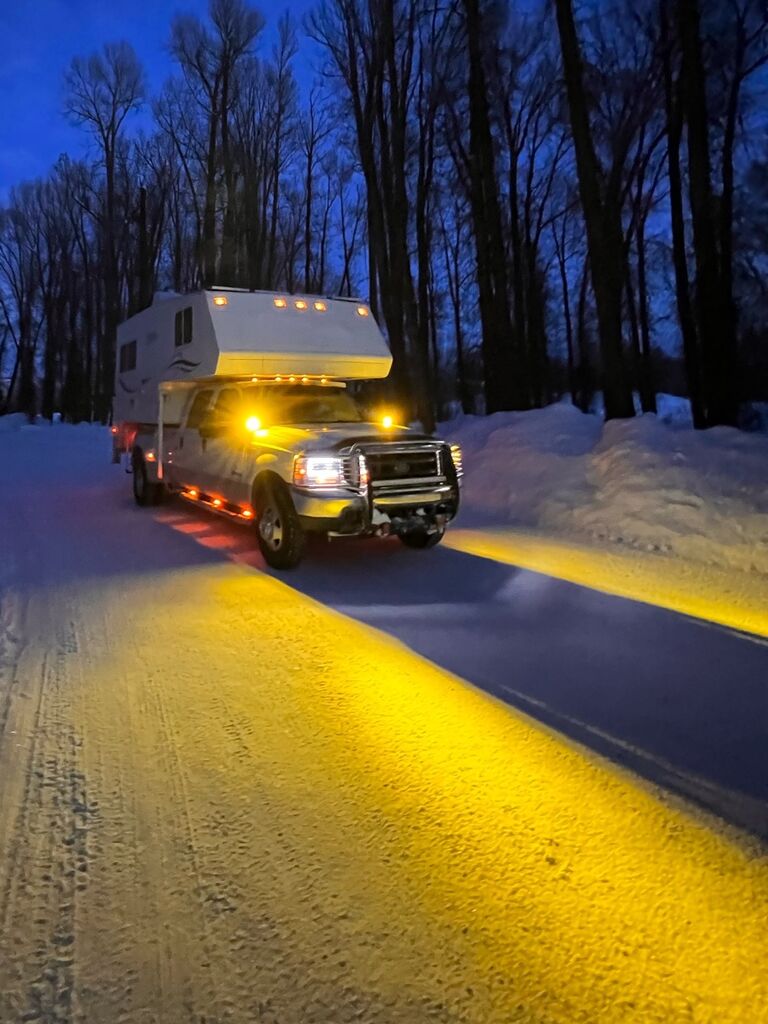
[(49, 855)]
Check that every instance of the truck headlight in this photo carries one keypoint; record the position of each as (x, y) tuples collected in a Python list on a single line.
[(318, 471), (458, 462)]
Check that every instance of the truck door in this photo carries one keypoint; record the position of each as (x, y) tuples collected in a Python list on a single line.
[(222, 442), (188, 457)]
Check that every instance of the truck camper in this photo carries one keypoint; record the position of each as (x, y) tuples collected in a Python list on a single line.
[(237, 401)]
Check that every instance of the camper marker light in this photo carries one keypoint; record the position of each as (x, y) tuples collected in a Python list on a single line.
[(220, 300), (318, 471), (362, 311), (253, 423), (300, 304), (281, 303), (320, 307)]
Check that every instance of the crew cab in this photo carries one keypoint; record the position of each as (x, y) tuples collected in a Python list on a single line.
[(294, 458)]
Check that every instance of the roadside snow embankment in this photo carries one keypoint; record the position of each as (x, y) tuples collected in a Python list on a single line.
[(698, 495)]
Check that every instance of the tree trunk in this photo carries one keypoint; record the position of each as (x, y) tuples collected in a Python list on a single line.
[(713, 308), (602, 218)]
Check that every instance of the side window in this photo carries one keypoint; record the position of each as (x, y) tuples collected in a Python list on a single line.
[(182, 334), (128, 356), (227, 404), (198, 409)]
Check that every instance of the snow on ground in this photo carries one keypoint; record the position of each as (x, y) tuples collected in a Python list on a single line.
[(224, 797), (642, 483)]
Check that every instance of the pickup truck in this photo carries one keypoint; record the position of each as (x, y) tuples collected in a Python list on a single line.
[(290, 456)]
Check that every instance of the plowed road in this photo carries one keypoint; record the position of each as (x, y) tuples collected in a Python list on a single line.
[(228, 796)]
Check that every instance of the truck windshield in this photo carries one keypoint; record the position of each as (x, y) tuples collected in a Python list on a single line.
[(303, 404)]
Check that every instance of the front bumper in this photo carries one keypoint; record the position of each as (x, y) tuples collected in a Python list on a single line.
[(358, 514)]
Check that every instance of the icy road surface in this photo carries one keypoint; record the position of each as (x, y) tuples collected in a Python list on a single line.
[(224, 796)]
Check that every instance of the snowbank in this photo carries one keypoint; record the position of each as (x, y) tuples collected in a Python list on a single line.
[(642, 483)]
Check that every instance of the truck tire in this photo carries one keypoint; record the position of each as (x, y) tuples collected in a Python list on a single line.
[(281, 537), (420, 539), (145, 492)]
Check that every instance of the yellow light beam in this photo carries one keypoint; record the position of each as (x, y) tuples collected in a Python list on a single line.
[(726, 597)]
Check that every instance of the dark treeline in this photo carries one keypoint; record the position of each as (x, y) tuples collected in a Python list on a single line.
[(536, 201)]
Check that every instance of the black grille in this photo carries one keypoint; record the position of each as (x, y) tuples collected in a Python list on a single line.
[(402, 465)]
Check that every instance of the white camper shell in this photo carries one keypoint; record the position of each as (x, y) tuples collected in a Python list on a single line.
[(236, 402), (227, 332)]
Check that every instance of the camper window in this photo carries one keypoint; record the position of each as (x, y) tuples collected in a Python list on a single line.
[(128, 356), (183, 327)]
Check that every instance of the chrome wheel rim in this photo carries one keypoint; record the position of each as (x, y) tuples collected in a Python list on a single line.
[(271, 528)]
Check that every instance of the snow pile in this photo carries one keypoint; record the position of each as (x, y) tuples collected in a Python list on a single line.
[(641, 483)]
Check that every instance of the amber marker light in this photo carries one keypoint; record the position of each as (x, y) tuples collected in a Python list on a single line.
[(362, 311), (220, 300), (253, 423), (247, 513), (281, 303), (216, 502), (192, 493), (320, 307), (300, 304)]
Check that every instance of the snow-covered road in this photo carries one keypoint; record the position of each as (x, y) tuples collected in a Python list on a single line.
[(225, 797)]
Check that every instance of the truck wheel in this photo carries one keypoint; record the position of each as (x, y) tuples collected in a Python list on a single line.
[(281, 538), (421, 539), (145, 492)]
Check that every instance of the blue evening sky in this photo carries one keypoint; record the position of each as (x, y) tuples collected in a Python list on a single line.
[(38, 39)]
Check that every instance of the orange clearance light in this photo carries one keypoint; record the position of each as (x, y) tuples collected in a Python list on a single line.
[(387, 422), (362, 311), (320, 307), (305, 380), (278, 378), (150, 457), (300, 304), (247, 513), (253, 424), (193, 493), (254, 380), (323, 380), (281, 303), (220, 300), (216, 502), (292, 380)]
